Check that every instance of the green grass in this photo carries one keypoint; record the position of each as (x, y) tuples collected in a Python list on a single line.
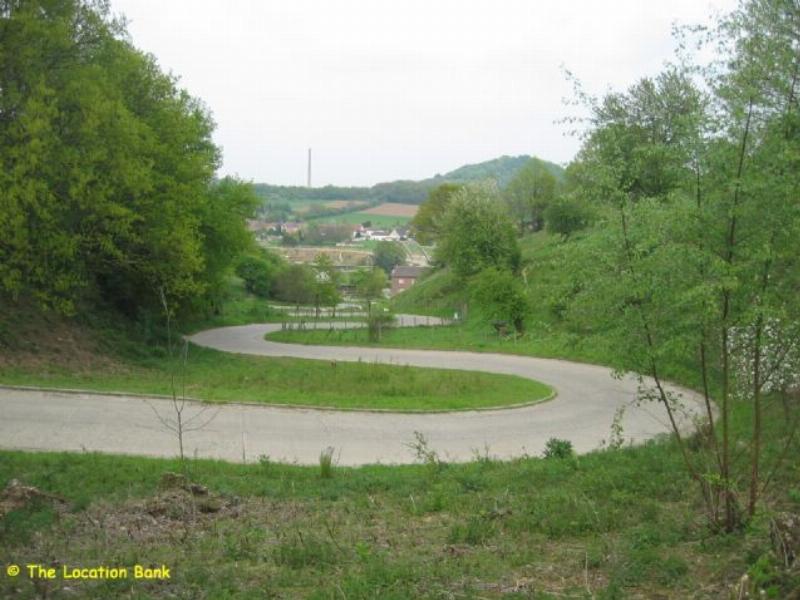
[(221, 377), (454, 337), (238, 307), (358, 217), (612, 524)]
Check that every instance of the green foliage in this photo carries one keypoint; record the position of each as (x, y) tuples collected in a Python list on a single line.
[(280, 200), (370, 284), (531, 191), (427, 223), (388, 255), (556, 448), (258, 273), (501, 170), (296, 283), (379, 321), (477, 233), (501, 297), (326, 283), (322, 234), (107, 169), (326, 463), (694, 261), (566, 216)]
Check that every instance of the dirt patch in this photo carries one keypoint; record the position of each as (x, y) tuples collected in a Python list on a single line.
[(35, 340), (16, 496), (337, 204), (393, 209), (179, 506)]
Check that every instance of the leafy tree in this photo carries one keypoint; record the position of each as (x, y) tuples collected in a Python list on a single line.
[(106, 169), (529, 194), (370, 284), (326, 288), (225, 237), (565, 216), (388, 255), (259, 273), (695, 260), (426, 224), (477, 233), (501, 296), (296, 284), (320, 234)]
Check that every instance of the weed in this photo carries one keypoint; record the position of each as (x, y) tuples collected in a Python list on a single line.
[(425, 454), (326, 463), (475, 531), (556, 448), (300, 551)]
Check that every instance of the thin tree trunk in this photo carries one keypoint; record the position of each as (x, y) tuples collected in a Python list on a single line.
[(751, 509)]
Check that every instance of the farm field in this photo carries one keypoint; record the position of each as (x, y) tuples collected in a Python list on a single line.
[(356, 218), (393, 209)]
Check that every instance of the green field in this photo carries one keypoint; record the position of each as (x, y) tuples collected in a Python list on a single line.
[(221, 377), (355, 218)]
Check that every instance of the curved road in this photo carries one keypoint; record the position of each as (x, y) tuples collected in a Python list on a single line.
[(583, 411)]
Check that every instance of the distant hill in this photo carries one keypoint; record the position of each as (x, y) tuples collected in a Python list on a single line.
[(501, 169)]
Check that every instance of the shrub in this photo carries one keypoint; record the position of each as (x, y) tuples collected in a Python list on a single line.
[(326, 463), (556, 448)]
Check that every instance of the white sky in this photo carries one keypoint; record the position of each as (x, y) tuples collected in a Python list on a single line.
[(399, 89)]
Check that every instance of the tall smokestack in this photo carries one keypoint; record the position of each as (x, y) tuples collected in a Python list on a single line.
[(309, 167)]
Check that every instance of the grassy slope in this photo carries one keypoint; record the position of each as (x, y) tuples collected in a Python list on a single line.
[(110, 359), (221, 377), (441, 295), (609, 525)]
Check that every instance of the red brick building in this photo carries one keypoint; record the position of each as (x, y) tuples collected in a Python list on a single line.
[(404, 277)]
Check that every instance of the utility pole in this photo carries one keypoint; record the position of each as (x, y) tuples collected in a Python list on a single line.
[(309, 167)]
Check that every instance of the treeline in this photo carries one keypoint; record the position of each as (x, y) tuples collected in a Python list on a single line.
[(501, 170), (319, 284), (106, 170), (535, 197)]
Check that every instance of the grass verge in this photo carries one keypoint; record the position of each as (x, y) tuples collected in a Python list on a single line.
[(221, 377), (614, 524)]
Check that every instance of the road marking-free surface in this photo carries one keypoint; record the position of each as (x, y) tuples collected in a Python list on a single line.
[(588, 398)]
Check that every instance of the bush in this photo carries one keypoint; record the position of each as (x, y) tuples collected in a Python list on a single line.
[(556, 448), (258, 275), (379, 320), (326, 463)]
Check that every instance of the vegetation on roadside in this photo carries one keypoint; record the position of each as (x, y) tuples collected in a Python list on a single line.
[(612, 524), (107, 171)]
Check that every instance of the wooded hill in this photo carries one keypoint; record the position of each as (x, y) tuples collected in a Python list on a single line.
[(501, 170)]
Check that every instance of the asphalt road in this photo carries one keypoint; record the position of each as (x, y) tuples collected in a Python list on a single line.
[(588, 398)]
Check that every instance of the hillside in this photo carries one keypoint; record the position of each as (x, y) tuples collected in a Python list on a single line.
[(500, 169)]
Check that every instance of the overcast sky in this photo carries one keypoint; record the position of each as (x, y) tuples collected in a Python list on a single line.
[(398, 89)]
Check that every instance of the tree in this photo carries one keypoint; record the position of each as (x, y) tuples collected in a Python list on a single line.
[(296, 284), (694, 263), (106, 169), (529, 194), (388, 255), (326, 287), (370, 284), (426, 224), (565, 216), (501, 296), (477, 233)]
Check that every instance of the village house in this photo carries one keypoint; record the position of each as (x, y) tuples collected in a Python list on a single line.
[(404, 277), (380, 235)]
